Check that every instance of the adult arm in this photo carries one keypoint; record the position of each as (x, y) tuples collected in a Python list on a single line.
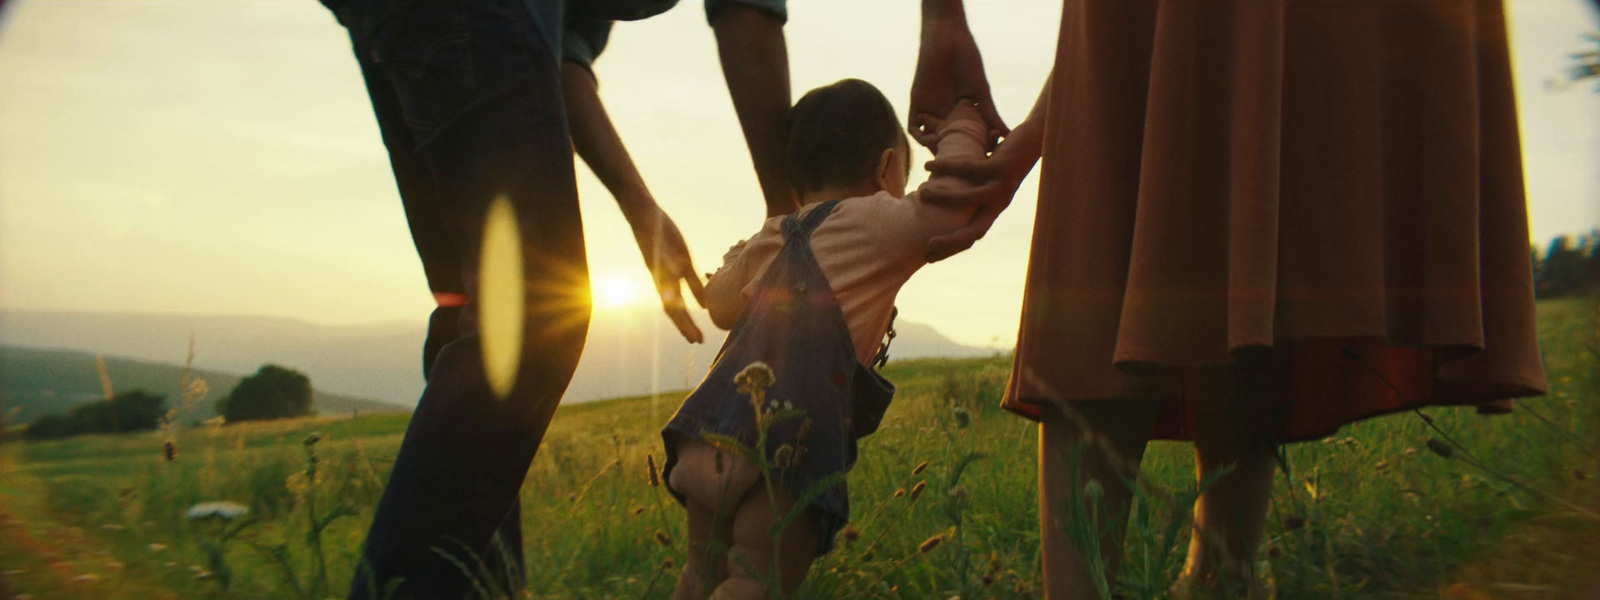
[(991, 180), (664, 250), (949, 69), (755, 64)]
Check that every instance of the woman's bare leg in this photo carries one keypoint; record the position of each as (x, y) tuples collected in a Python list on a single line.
[(750, 560), (1107, 438), (1234, 428)]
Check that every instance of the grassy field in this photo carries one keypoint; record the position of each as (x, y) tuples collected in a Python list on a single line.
[(1370, 513)]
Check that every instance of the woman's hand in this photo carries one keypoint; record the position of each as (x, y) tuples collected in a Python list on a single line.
[(992, 181), (667, 256), (949, 68)]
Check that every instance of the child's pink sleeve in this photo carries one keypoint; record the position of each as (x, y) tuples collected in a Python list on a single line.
[(742, 263)]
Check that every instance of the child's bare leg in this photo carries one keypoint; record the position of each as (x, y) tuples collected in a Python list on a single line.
[(751, 560), (714, 482), (1107, 439), (1233, 429), (709, 540)]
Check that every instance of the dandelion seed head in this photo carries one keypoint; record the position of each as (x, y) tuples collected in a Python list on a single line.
[(1093, 490), (756, 377)]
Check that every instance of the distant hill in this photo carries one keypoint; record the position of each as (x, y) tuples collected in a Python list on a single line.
[(38, 382), (629, 352)]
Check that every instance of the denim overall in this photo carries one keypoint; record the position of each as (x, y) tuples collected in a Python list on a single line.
[(793, 324)]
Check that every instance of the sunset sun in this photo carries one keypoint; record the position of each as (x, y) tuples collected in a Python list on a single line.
[(614, 291)]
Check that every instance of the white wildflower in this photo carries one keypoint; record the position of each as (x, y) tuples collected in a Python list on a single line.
[(224, 510)]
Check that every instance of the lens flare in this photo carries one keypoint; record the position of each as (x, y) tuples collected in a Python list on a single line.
[(500, 297)]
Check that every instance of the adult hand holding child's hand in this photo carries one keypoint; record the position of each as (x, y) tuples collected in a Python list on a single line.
[(949, 68), (992, 182)]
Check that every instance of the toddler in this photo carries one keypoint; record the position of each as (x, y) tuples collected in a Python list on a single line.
[(810, 297)]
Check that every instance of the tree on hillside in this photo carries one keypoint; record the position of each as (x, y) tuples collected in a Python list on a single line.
[(274, 392), (1567, 267), (137, 410)]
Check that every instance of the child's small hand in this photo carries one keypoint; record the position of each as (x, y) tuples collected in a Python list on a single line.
[(964, 119), (965, 110)]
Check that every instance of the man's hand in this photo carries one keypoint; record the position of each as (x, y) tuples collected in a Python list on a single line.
[(949, 68), (667, 256), (597, 142), (993, 181)]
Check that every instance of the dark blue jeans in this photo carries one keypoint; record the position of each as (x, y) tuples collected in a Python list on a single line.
[(467, 95)]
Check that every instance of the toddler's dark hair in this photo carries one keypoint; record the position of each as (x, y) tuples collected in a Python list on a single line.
[(836, 133)]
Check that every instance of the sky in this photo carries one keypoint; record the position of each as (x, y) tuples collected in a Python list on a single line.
[(220, 156)]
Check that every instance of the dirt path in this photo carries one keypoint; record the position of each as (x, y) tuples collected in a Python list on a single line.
[(43, 558)]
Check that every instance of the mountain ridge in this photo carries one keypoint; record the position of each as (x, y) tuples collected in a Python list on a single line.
[(628, 352)]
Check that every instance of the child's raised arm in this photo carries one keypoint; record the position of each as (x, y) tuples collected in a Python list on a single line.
[(724, 291), (962, 134)]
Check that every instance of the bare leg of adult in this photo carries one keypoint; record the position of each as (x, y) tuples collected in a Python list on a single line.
[(750, 561), (1234, 429), (1101, 441)]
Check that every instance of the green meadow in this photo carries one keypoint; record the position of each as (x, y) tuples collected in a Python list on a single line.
[(1370, 513)]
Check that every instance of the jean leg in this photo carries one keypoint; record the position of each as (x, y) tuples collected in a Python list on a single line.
[(466, 451)]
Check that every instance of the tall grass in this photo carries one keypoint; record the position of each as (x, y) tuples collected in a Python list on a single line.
[(944, 497)]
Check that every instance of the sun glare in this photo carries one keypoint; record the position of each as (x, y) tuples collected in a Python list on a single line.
[(614, 291)]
